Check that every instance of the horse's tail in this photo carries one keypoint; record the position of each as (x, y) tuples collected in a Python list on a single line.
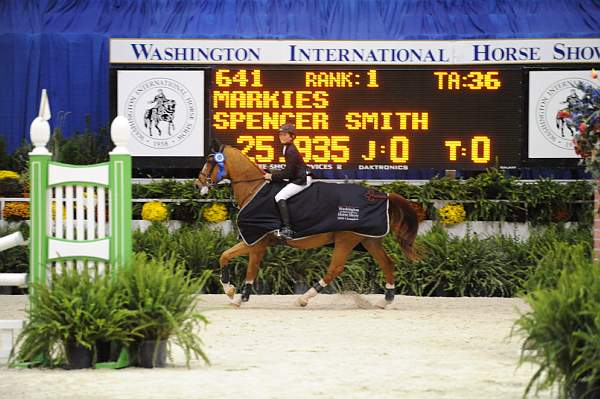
[(146, 117), (404, 224)]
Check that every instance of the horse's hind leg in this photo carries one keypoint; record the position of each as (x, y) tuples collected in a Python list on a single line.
[(344, 243), (377, 251)]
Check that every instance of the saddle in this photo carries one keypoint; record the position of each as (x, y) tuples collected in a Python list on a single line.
[(323, 207)]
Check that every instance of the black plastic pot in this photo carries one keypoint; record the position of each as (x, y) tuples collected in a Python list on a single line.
[(152, 354), (78, 357), (103, 351), (584, 390)]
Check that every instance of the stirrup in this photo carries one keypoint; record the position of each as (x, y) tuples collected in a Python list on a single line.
[(285, 233)]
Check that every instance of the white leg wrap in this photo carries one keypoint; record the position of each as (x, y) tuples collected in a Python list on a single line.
[(303, 299), (229, 289), (389, 286), (309, 294), (237, 301), (381, 303)]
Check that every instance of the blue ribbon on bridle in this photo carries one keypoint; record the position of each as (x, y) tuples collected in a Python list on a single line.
[(219, 159)]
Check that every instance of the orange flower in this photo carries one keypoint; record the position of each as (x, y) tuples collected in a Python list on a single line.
[(16, 211)]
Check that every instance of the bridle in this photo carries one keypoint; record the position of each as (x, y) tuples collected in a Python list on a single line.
[(217, 159)]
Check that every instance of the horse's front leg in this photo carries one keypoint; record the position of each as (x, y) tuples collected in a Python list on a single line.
[(344, 243), (158, 128), (255, 257), (238, 249)]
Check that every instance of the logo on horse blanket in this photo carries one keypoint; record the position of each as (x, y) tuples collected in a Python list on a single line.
[(321, 208)]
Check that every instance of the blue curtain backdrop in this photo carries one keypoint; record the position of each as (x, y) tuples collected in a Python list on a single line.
[(62, 45)]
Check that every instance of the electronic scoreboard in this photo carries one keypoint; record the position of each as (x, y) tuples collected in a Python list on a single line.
[(372, 119)]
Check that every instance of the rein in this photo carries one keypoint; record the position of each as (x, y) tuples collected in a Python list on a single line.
[(251, 192), (207, 177), (246, 180)]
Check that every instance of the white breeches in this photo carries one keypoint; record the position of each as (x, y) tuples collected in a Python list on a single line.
[(292, 189)]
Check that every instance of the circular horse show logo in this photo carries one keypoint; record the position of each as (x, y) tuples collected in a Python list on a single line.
[(557, 108), (161, 112)]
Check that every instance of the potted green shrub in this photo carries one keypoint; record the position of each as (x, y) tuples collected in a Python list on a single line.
[(163, 298), (68, 317), (563, 332)]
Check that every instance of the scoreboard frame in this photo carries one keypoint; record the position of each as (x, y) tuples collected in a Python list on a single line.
[(189, 165)]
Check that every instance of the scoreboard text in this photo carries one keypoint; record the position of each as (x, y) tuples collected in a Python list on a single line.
[(372, 119)]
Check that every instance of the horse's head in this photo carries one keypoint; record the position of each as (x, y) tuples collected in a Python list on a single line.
[(169, 106), (213, 170)]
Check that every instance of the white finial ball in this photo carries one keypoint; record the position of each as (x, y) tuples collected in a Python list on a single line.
[(119, 131), (39, 132)]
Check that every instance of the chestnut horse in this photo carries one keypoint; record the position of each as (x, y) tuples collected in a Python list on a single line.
[(247, 178)]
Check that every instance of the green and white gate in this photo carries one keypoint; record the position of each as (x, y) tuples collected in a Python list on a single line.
[(80, 215)]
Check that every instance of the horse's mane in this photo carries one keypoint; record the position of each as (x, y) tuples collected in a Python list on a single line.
[(244, 157)]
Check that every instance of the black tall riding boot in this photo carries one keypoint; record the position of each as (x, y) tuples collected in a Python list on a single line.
[(286, 231)]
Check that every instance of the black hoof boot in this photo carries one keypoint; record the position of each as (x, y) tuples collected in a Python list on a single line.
[(246, 291), (389, 294), (225, 275)]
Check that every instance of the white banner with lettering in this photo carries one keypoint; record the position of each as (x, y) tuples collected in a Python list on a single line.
[(551, 94), (165, 110), (397, 52)]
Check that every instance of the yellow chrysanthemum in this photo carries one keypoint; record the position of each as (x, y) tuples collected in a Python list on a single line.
[(216, 212), (8, 174), (16, 211), (452, 214), (155, 211), (64, 212)]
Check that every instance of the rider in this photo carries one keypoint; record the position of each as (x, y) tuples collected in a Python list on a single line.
[(159, 99), (295, 171), (573, 101)]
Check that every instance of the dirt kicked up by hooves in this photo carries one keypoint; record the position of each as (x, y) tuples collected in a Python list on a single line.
[(300, 301)]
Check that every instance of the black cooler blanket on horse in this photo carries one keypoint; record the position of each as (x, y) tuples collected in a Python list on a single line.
[(321, 208)]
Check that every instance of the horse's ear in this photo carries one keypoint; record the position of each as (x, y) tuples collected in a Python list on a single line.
[(215, 145)]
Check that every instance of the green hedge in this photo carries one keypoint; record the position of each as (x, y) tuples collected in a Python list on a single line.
[(13, 260), (562, 327), (491, 196), (449, 266), (470, 266)]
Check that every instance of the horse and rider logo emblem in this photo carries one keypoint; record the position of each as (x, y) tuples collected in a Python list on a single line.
[(161, 112), (557, 109)]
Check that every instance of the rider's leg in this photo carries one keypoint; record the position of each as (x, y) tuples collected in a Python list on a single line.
[(287, 192), (286, 231)]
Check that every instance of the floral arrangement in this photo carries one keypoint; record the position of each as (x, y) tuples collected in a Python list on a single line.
[(452, 214), (216, 212), (9, 174), (421, 214), (155, 211), (10, 185), (584, 115), (14, 211)]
